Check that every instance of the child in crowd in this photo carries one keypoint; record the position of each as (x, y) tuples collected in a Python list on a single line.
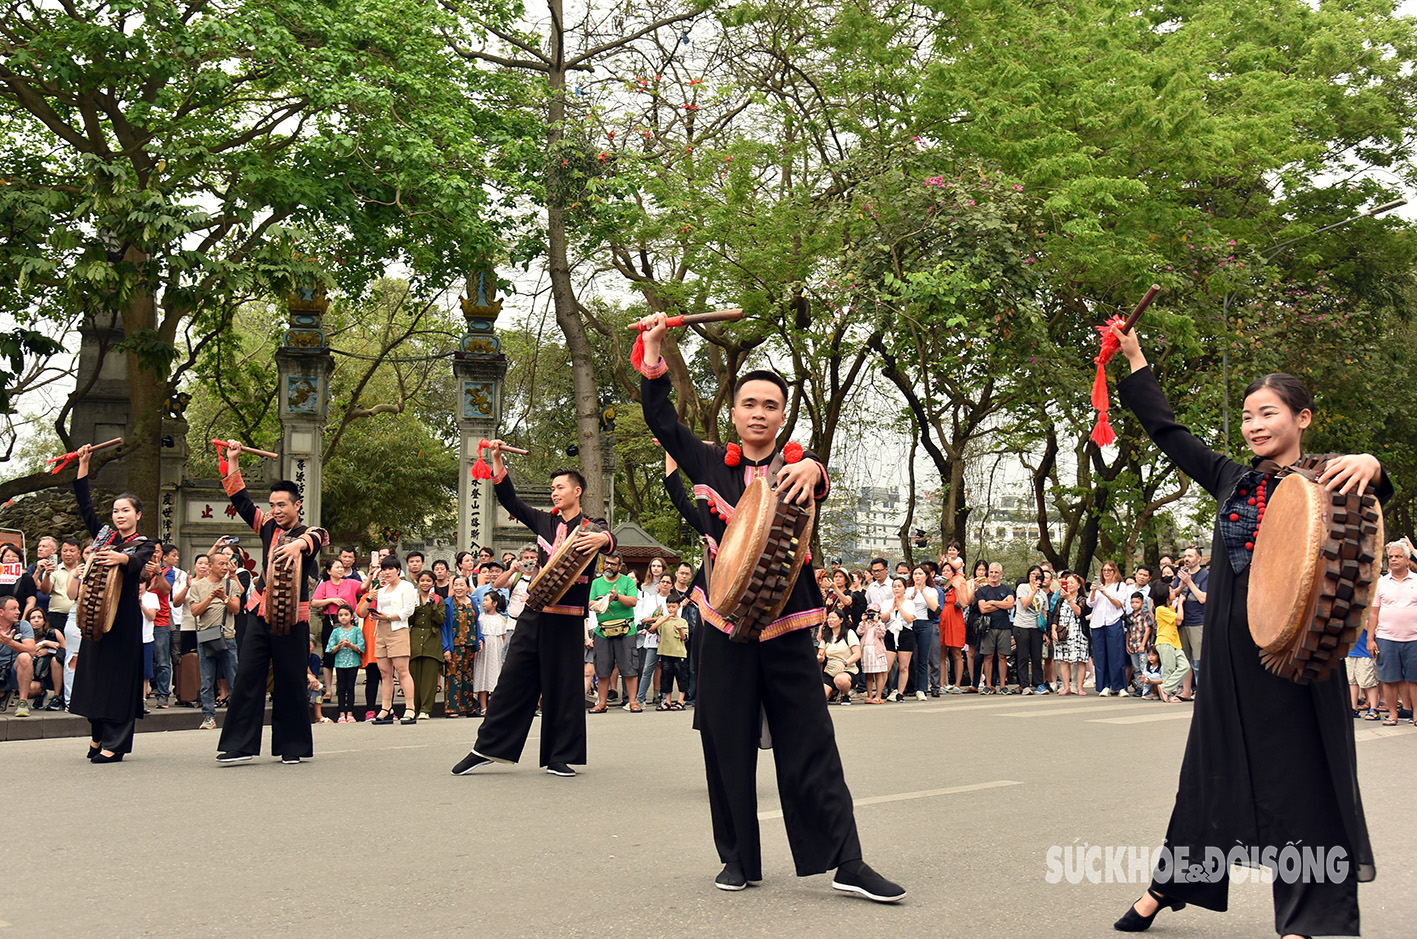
[(1140, 634), (347, 645), (312, 675), (672, 631), (874, 664), (492, 625), (1150, 675), (1362, 679), (1175, 669)]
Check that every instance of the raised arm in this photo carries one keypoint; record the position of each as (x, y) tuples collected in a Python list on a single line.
[(681, 443), (534, 519), (687, 507)]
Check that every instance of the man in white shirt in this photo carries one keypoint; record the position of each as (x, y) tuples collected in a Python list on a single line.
[(879, 590)]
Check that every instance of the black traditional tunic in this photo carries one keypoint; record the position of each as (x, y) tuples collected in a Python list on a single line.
[(544, 656), (739, 682), (108, 682), (285, 657), (1268, 762)]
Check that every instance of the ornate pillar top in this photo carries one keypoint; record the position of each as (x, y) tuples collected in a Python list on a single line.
[(308, 306), (480, 307)]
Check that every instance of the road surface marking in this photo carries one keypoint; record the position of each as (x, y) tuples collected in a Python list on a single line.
[(1056, 711), (1184, 715), (920, 794)]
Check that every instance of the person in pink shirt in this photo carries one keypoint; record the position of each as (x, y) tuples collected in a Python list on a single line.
[(1392, 630), (325, 601)]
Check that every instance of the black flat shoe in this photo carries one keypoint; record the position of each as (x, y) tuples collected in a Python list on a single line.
[(100, 758), (857, 877), (731, 877), (94, 751), (1132, 921)]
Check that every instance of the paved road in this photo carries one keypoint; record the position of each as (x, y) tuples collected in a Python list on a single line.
[(959, 799)]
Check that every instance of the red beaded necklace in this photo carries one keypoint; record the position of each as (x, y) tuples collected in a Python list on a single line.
[(1258, 501)]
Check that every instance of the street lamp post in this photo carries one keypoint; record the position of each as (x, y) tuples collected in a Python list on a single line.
[(1264, 258)]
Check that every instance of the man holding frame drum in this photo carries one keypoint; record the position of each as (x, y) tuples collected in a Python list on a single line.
[(775, 673), (264, 646)]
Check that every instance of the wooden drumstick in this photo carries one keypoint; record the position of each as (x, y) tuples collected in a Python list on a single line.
[(245, 449), (68, 458), (484, 444), (691, 319), (1141, 308)]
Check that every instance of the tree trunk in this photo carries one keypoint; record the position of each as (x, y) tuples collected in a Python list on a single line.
[(146, 393), (563, 295)]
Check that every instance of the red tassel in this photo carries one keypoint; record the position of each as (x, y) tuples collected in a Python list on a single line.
[(221, 465), (480, 469), (637, 354), (1102, 433)]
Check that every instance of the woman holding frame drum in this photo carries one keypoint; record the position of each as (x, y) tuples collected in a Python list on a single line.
[(1269, 763)]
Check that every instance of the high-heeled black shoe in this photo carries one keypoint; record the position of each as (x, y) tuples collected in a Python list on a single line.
[(1132, 921)]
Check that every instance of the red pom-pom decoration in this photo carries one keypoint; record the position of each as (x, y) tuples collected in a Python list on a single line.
[(637, 354), (480, 469), (734, 455), (792, 453)]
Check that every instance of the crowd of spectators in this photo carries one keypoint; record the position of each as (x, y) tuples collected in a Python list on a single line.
[(893, 632)]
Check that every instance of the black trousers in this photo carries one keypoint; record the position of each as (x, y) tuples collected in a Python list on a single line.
[(545, 661), (1303, 909), (372, 679), (344, 685), (736, 682), (289, 658), (671, 667), (1028, 646), (113, 736)]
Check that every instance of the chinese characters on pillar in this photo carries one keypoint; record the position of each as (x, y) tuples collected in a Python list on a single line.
[(166, 534), (474, 514)]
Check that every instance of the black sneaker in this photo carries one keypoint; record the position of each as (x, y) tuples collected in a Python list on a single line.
[(731, 877), (233, 757), (559, 769), (867, 883), (471, 763), (290, 760)]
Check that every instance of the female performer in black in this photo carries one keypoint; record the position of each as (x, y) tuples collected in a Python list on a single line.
[(108, 681), (1269, 763)]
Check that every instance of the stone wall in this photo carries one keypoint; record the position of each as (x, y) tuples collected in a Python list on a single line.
[(52, 512)]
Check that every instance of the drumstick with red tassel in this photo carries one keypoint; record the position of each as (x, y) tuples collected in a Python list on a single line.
[(68, 458), (637, 355), (480, 469), (221, 446), (1102, 433)]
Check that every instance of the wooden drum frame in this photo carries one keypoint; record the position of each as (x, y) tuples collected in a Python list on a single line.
[(1314, 572), (760, 556), (99, 592), (562, 568), (283, 580)]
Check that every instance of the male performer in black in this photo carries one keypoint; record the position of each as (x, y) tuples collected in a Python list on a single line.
[(260, 648), (545, 655), (779, 674)]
